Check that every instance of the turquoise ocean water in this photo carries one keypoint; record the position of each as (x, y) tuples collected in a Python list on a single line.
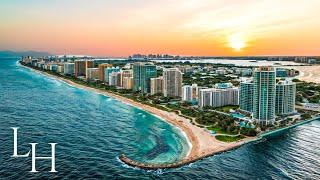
[(93, 130)]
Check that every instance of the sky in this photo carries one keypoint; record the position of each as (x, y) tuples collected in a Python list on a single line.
[(178, 27)]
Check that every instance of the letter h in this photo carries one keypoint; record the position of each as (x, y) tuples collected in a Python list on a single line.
[(33, 150)]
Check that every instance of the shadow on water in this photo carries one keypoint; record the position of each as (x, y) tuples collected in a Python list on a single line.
[(160, 148), (277, 135)]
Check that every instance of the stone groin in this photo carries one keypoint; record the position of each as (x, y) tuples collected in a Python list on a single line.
[(177, 164)]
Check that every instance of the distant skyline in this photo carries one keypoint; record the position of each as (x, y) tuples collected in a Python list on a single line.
[(178, 27)]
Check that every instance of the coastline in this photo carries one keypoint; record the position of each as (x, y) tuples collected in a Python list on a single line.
[(308, 73), (201, 143), (115, 97)]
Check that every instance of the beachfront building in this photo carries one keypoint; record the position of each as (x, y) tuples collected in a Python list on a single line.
[(68, 69), (246, 96), (40, 65), (27, 59), (285, 98), (205, 97), (126, 73), (53, 67), (115, 79), (60, 68), (92, 74), (224, 97), (190, 93), (127, 82), (218, 97), (108, 71), (156, 85), (79, 68), (89, 64), (102, 68), (172, 82), (264, 95), (142, 73)]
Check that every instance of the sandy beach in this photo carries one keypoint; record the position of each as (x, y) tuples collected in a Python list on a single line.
[(308, 73), (203, 144)]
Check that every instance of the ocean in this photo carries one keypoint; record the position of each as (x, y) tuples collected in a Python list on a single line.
[(92, 130)]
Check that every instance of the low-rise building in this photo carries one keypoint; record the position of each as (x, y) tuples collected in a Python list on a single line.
[(280, 72), (221, 71)]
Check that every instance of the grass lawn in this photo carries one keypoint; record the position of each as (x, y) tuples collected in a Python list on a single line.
[(229, 138), (219, 130), (226, 109)]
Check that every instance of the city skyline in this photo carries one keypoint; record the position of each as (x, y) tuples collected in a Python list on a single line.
[(183, 27), (204, 102)]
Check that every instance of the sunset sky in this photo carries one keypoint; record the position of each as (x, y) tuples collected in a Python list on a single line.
[(184, 27)]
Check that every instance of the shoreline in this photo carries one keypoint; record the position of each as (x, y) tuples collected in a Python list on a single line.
[(203, 144), (117, 98), (75, 85), (200, 142)]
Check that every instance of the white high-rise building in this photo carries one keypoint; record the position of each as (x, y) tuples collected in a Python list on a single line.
[(218, 97), (223, 97), (68, 69), (172, 82), (127, 82), (115, 79), (205, 97), (156, 85), (92, 74), (126, 73), (285, 97), (190, 92)]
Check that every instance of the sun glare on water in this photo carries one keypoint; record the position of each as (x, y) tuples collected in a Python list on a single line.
[(237, 42)]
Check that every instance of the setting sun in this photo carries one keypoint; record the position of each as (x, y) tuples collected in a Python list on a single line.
[(237, 42)]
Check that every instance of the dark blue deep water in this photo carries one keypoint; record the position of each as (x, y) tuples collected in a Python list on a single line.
[(93, 130)]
